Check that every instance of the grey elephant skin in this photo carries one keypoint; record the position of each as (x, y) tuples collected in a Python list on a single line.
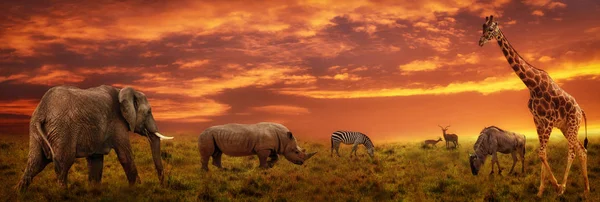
[(265, 139), (71, 123)]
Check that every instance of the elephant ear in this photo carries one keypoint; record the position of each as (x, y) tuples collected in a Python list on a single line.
[(128, 106), (290, 135)]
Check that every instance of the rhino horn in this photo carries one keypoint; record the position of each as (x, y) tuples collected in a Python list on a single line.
[(309, 155)]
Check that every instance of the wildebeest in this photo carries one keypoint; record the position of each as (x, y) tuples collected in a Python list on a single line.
[(493, 139)]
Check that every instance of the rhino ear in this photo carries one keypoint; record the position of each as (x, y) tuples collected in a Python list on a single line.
[(290, 135)]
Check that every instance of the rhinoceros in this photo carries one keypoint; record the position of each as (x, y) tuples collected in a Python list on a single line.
[(264, 139)]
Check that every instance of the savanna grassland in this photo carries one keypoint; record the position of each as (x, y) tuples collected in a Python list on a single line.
[(401, 172)]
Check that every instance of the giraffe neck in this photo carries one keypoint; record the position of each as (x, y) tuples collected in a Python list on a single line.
[(524, 70)]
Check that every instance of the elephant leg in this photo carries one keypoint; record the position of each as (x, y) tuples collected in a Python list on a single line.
[(61, 167), (274, 158), (125, 157), (35, 164), (262, 158), (217, 159), (95, 163)]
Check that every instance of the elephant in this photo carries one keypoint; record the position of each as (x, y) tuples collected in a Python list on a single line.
[(71, 123), (265, 139)]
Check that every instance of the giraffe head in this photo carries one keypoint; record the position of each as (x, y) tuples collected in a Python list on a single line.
[(490, 30)]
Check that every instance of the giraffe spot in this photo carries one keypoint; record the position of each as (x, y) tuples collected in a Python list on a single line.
[(529, 74), (515, 67), (545, 105), (529, 82), (562, 111), (510, 61), (521, 74), (568, 106), (546, 96), (505, 52), (540, 110)]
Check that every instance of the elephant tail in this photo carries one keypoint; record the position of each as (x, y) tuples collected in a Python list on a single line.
[(48, 151)]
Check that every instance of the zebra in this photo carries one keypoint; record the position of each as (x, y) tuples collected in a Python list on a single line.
[(350, 137)]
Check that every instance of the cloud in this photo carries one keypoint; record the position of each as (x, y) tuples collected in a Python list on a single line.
[(199, 86), (537, 13), (545, 59), (488, 85), (196, 110), (436, 62), (191, 64), (18, 107), (282, 109), (548, 4)]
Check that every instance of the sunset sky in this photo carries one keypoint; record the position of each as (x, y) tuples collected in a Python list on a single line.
[(393, 69)]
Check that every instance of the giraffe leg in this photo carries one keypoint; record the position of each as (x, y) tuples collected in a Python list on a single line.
[(548, 170), (583, 159), (576, 148), (544, 130)]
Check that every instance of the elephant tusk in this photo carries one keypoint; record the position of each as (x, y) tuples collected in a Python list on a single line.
[(162, 136)]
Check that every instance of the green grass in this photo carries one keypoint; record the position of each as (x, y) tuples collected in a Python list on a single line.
[(401, 172)]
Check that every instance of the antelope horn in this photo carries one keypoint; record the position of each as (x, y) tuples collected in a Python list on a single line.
[(162, 137), (309, 155)]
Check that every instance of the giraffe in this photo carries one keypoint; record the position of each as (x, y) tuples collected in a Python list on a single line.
[(550, 106)]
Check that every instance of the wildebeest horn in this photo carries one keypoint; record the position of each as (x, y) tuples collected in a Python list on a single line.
[(162, 137), (309, 155)]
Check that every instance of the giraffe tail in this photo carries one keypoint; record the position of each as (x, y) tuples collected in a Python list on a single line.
[(585, 142)]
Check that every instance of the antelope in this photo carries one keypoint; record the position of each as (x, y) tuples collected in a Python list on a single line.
[(453, 138), (432, 142)]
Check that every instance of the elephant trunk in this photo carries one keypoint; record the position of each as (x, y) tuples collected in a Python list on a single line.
[(155, 147)]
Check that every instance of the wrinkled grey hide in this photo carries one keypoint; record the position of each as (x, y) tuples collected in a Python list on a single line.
[(264, 139), (71, 123)]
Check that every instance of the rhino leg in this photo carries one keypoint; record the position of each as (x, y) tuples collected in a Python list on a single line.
[(274, 158), (205, 162), (217, 159), (262, 158)]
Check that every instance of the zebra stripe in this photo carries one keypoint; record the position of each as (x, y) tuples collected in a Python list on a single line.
[(351, 137)]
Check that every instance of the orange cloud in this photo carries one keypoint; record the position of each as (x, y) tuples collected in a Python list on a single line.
[(435, 62), (261, 76), (96, 21), (489, 85), (189, 111), (549, 4), (191, 64), (282, 109), (537, 13), (18, 107), (51, 75)]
